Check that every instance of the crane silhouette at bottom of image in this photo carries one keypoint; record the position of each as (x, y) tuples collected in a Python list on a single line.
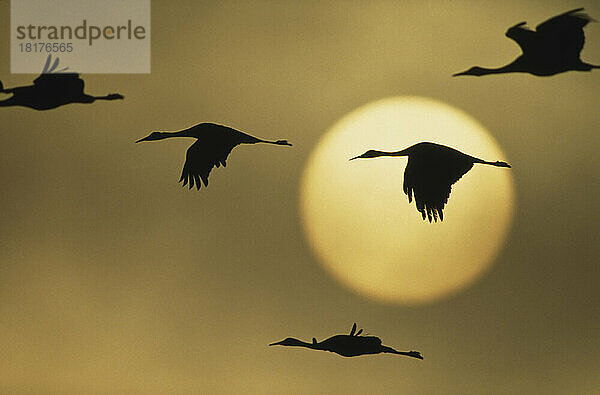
[(351, 345)]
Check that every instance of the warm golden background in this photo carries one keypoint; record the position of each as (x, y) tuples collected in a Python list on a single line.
[(114, 279)]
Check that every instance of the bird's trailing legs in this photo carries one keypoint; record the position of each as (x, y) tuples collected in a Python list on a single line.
[(413, 354)]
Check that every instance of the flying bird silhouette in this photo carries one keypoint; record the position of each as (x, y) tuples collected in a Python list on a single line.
[(351, 345), (213, 145), (53, 88), (554, 47), (430, 172)]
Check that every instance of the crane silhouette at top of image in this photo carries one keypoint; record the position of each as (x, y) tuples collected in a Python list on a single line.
[(213, 145), (430, 172), (554, 47), (351, 345), (53, 88)]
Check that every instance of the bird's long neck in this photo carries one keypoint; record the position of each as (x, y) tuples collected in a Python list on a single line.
[(8, 102), (180, 133), (387, 153), (499, 70), (300, 343), (516, 66)]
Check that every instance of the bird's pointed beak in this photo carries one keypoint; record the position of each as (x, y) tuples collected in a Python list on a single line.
[(142, 139), (356, 157), (518, 25), (461, 73), (276, 343)]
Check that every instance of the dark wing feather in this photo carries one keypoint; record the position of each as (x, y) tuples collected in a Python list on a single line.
[(47, 64), (201, 157), (565, 32), (522, 35), (370, 341), (429, 179), (217, 134), (351, 346), (214, 145), (67, 84)]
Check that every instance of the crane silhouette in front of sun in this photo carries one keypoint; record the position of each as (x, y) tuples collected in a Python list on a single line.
[(213, 145), (554, 47), (430, 172), (52, 89), (351, 345)]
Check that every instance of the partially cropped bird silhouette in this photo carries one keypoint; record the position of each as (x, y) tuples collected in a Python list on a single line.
[(351, 345), (430, 172), (213, 145), (53, 88), (554, 47)]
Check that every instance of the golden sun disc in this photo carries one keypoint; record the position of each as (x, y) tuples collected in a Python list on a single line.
[(360, 225)]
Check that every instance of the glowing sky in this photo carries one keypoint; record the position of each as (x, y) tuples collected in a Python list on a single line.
[(114, 279)]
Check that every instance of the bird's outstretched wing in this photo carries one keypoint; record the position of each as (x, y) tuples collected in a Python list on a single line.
[(430, 182), (50, 67), (199, 161), (67, 84), (353, 329), (522, 35), (214, 145), (565, 31), (561, 35), (53, 80)]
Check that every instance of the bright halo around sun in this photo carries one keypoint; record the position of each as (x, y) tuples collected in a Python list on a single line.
[(358, 221)]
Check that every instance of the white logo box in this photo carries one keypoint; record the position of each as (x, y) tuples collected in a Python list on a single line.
[(88, 36)]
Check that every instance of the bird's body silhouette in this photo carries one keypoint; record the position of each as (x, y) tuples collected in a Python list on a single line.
[(430, 172), (351, 345), (554, 47), (213, 145), (51, 89)]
